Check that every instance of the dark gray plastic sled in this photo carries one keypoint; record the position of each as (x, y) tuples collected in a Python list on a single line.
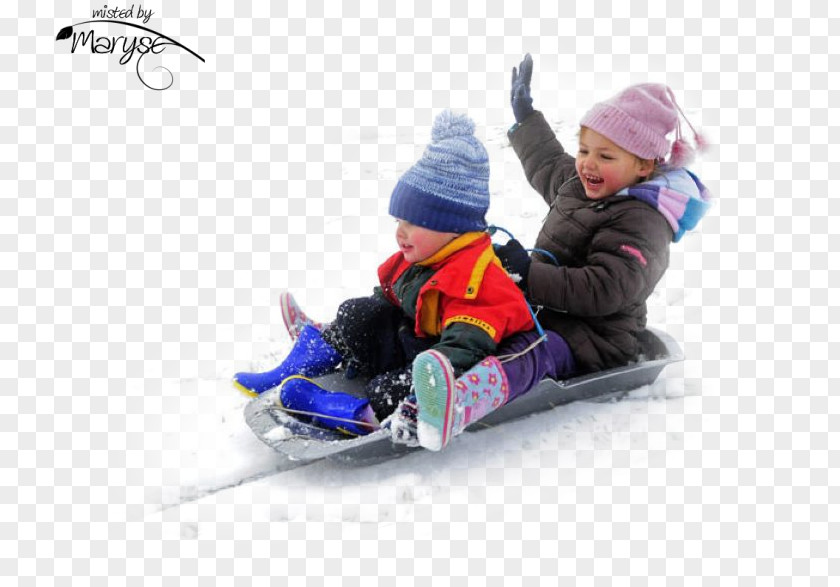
[(301, 441)]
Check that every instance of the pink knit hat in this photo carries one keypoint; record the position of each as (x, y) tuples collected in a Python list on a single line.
[(639, 120)]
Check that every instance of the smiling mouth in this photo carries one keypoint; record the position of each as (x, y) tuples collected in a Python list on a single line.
[(593, 180)]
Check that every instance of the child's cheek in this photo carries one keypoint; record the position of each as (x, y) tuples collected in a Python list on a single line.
[(418, 240)]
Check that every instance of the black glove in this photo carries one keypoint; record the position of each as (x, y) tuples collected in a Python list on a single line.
[(516, 261), (520, 90)]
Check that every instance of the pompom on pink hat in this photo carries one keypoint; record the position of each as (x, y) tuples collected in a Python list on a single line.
[(639, 120)]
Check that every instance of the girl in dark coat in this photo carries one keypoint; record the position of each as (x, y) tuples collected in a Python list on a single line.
[(614, 208)]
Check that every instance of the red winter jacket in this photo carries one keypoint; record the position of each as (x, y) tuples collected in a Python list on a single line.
[(462, 284)]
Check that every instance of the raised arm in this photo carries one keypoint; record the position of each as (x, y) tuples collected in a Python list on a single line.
[(547, 165)]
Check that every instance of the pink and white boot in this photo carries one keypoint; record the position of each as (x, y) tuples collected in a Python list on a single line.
[(293, 317), (446, 405)]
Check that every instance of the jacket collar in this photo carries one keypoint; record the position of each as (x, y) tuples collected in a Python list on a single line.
[(455, 245)]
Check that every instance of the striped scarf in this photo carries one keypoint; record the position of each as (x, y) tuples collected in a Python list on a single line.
[(677, 194)]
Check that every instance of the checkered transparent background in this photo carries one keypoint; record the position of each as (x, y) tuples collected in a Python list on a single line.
[(145, 235)]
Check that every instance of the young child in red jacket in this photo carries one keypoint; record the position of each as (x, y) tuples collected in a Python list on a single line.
[(444, 290)]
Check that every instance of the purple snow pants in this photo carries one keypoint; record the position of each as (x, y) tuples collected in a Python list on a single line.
[(551, 358)]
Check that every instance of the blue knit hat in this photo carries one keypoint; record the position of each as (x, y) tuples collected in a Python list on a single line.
[(447, 190)]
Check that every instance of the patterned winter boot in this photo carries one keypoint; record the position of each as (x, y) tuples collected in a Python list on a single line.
[(334, 410), (403, 422), (293, 317), (446, 405), (311, 356)]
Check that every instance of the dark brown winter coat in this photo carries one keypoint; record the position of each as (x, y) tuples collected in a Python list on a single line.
[(611, 252)]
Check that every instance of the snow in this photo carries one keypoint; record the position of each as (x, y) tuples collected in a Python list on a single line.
[(229, 464), (279, 433), (558, 443), (428, 436)]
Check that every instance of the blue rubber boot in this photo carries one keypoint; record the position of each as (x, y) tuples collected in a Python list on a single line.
[(334, 410), (311, 356)]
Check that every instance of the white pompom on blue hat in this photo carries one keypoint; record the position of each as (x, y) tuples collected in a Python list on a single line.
[(448, 189)]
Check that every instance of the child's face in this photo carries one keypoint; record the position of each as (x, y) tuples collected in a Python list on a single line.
[(418, 243), (605, 168)]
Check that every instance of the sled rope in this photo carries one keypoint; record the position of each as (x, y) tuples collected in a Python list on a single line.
[(279, 405), (492, 229), (283, 408), (529, 348)]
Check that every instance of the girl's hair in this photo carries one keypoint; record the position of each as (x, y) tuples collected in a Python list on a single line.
[(659, 167)]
